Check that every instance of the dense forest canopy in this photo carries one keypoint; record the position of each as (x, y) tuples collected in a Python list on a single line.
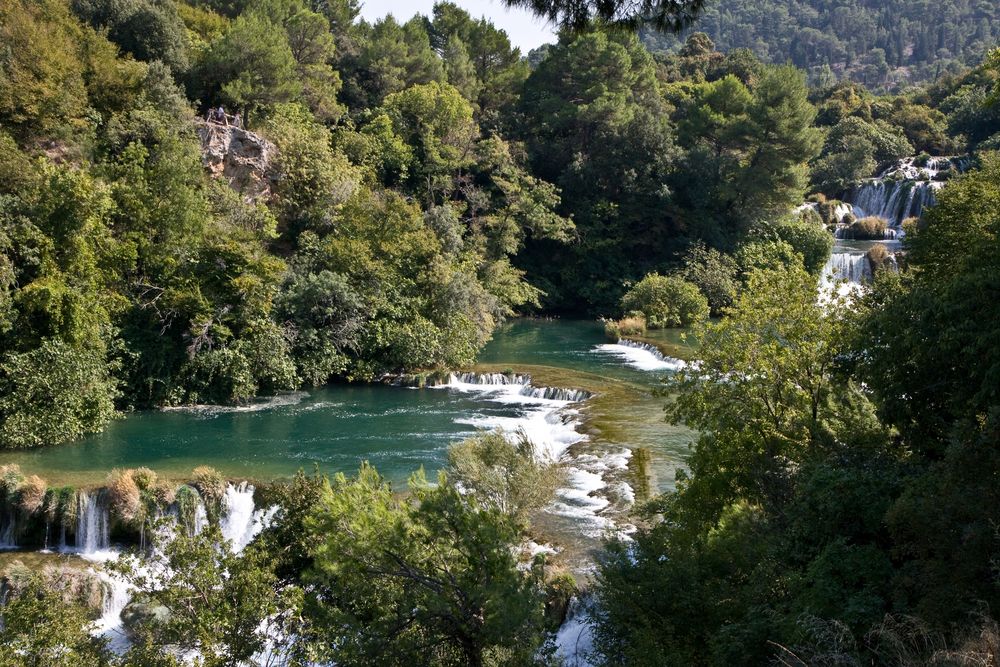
[(884, 44), (402, 188)]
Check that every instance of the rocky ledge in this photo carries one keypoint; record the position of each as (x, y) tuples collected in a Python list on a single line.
[(241, 157)]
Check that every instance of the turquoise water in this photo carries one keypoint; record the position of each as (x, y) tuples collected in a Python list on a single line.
[(338, 427)]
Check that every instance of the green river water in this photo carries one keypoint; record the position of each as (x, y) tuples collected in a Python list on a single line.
[(396, 429)]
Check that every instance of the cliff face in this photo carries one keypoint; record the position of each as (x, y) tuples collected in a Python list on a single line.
[(243, 158)]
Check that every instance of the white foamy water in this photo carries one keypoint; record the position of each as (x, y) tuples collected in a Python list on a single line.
[(548, 418), (575, 638), (640, 355), (240, 523), (270, 403)]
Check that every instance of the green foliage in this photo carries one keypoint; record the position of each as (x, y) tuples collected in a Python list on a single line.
[(431, 575), (871, 228), (946, 293), (666, 301), (714, 273), (882, 44), (146, 29), (807, 239), (42, 75), (746, 153), (509, 477), (39, 629), (390, 58), (228, 617), (54, 393), (596, 126)]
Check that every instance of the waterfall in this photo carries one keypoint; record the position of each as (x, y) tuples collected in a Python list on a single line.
[(893, 201), (643, 356), (92, 524), (574, 639), (240, 521), (8, 528), (488, 379), (852, 267), (555, 393), (904, 190)]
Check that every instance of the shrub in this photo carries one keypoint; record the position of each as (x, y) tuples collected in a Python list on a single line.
[(10, 479), (714, 273), (559, 591), (503, 475), (627, 326), (811, 241), (124, 496), (870, 228), (31, 494), (666, 301), (212, 488), (878, 257)]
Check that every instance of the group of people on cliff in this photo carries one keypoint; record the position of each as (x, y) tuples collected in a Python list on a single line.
[(218, 115)]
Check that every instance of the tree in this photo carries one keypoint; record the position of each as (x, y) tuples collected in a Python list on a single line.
[(510, 477), (42, 88), (666, 301), (747, 153), (54, 393), (764, 384), (39, 629), (436, 122), (195, 593), (429, 578), (713, 273), (576, 15), (597, 127), (251, 65), (391, 58), (946, 295)]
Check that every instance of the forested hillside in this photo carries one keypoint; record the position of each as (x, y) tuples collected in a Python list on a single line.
[(884, 44), (375, 198), (424, 182)]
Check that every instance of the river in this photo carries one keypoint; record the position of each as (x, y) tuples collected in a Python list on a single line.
[(396, 429)]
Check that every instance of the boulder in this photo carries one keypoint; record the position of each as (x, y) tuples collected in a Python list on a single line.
[(242, 158)]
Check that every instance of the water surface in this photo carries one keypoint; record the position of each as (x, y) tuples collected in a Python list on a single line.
[(397, 429)]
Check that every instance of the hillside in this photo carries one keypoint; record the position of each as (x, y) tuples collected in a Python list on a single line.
[(884, 44)]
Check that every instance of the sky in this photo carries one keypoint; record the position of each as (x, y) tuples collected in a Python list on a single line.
[(523, 28)]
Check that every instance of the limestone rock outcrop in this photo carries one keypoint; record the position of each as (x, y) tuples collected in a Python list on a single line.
[(241, 157)]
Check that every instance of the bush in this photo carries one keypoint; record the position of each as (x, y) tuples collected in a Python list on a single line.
[(31, 494), (868, 229), (124, 496), (212, 488), (879, 257), (627, 326), (666, 301), (809, 240), (714, 273)]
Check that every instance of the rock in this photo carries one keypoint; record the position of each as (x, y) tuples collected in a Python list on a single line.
[(137, 614), (241, 157)]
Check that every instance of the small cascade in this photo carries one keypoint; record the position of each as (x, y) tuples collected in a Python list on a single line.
[(638, 345), (241, 522), (8, 530), (642, 356), (488, 379), (92, 524), (575, 639), (555, 394), (844, 233), (893, 201), (852, 267), (117, 595), (903, 190)]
